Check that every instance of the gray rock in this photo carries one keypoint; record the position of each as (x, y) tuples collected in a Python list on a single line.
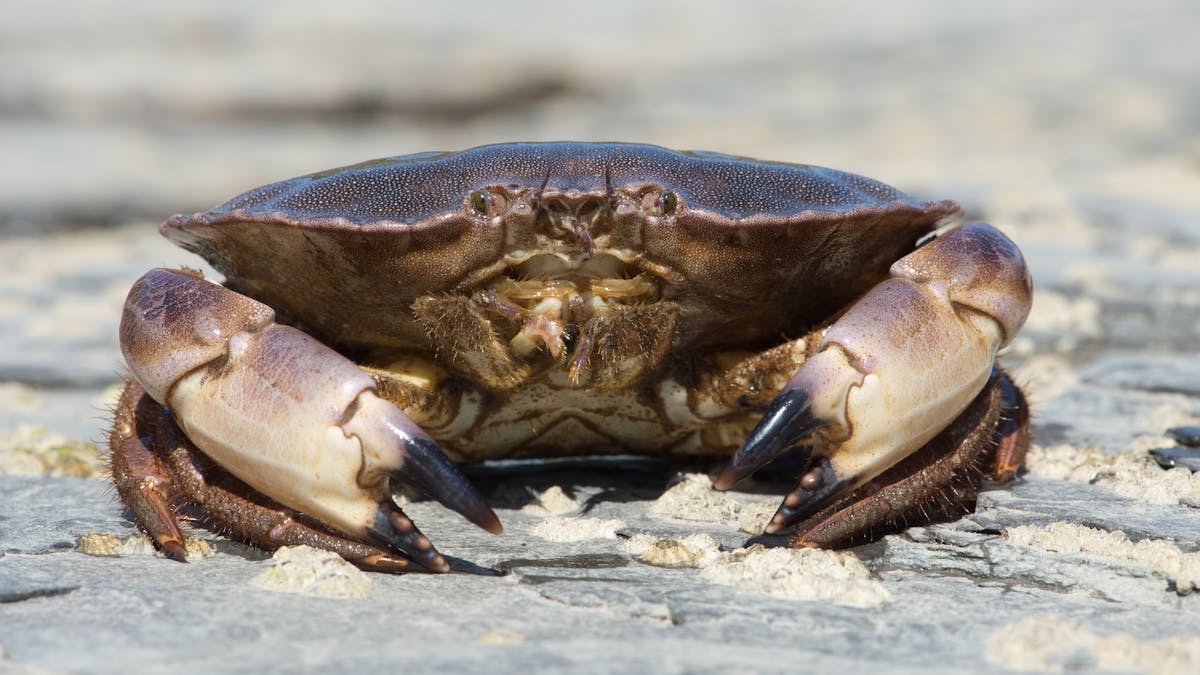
[(518, 599), (1044, 501)]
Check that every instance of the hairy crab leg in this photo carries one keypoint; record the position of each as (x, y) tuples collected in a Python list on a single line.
[(285, 414), (1014, 433), (912, 353), (142, 482)]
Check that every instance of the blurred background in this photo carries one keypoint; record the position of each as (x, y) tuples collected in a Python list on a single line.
[(1074, 126)]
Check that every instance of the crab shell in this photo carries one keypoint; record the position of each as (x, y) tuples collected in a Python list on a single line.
[(566, 298), (752, 251)]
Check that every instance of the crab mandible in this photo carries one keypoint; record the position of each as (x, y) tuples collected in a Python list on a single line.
[(549, 299)]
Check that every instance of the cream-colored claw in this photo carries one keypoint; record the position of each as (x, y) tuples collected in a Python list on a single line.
[(895, 369), (288, 416)]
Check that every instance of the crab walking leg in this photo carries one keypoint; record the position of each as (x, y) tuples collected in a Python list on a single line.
[(143, 483), (895, 369), (285, 414), (1013, 431)]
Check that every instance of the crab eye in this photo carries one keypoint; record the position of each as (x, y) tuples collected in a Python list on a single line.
[(656, 203), (480, 201), (668, 201)]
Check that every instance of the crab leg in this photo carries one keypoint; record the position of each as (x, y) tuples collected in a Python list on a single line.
[(891, 372), (285, 414), (143, 482)]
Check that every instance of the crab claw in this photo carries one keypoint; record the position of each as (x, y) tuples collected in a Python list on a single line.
[(287, 415), (812, 403), (394, 445), (787, 421), (894, 370)]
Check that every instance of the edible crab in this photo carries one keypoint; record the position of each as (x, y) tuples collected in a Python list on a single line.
[(381, 322)]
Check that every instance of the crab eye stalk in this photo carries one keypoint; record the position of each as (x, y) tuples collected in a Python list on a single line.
[(480, 201)]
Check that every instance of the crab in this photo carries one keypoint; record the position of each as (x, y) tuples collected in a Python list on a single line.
[(382, 323)]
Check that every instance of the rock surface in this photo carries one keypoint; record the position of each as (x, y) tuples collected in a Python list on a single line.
[(1071, 125)]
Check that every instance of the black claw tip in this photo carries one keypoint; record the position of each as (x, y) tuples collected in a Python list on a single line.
[(788, 421), (428, 469), (817, 489)]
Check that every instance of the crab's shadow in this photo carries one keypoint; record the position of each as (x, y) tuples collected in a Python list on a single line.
[(516, 484)]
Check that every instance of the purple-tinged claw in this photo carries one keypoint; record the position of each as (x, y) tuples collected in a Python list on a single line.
[(393, 446), (788, 421), (428, 469), (890, 374), (398, 531), (285, 414), (818, 488)]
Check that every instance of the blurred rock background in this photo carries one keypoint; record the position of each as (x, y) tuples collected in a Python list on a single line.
[(1074, 126)]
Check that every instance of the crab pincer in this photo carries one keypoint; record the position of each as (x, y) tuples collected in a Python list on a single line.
[(892, 373), (287, 416)]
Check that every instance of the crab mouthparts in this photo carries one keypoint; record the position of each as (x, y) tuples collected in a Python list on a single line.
[(554, 303)]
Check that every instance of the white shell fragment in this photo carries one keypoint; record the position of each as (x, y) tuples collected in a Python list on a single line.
[(501, 637), (694, 550), (303, 569), (693, 498), (552, 502), (31, 450), (104, 544), (1131, 474), (801, 574), (1163, 557), (577, 529)]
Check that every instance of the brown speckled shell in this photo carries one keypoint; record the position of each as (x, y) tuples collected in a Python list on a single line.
[(759, 250)]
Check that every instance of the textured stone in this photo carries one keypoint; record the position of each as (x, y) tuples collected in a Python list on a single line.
[(37, 451), (1053, 644), (1037, 501)]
